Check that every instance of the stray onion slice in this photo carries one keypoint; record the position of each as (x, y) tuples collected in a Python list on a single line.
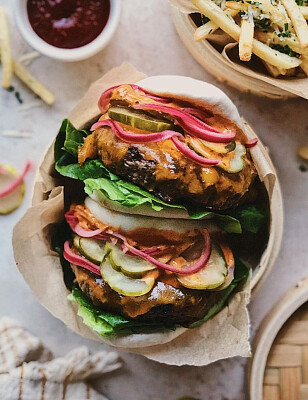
[(12, 186), (12, 200), (190, 123), (130, 137), (192, 154), (104, 100), (74, 258)]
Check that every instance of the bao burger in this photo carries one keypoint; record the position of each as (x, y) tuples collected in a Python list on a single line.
[(163, 205)]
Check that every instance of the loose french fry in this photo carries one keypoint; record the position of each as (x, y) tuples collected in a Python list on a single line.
[(205, 30), (24, 75), (299, 22), (304, 11), (273, 57), (5, 51), (245, 42)]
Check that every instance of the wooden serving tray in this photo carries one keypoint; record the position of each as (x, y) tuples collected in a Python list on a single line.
[(213, 62), (279, 367)]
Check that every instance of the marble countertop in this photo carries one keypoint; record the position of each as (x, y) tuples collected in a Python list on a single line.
[(147, 39)]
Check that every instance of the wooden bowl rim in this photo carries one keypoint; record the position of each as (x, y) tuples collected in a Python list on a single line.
[(283, 309), (214, 61)]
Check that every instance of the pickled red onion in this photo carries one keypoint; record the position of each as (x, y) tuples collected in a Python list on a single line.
[(192, 154), (228, 280), (190, 124), (130, 137), (145, 254), (251, 143), (9, 189), (104, 100), (75, 227), (74, 258), (201, 114), (193, 268)]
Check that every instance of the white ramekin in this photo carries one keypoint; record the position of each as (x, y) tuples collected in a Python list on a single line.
[(77, 54)]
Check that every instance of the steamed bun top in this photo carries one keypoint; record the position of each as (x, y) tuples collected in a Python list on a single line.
[(199, 93)]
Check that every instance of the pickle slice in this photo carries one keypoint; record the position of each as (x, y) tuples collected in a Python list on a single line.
[(124, 285), (129, 265), (231, 161), (138, 119), (237, 163), (209, 277), (76, 241), (221, 148), (92, 249)]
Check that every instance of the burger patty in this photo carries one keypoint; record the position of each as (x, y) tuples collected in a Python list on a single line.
[(165, 172), (163, 304)]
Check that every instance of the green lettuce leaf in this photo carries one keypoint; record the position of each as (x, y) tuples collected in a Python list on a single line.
[(252, 217), (110, 324)]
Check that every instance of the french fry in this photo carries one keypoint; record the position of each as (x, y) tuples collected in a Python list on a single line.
[(245, 42), (205, 30), (271, 56), (299, 22), (274, 71), (5, 51), (274, 57), (37, 87), (274, 14), (28, 79), (304, 11), (273, 38), (304, 65)]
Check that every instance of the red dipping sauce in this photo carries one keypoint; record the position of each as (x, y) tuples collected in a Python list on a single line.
[(68, 24)]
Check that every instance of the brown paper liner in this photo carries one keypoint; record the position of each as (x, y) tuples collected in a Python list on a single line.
[(41, 268), (224, 69)]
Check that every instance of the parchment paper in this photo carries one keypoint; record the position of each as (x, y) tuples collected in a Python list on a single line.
[(295, 85), (226, 335)]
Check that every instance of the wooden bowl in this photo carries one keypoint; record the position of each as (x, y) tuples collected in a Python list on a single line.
[(212, 61), (279, 367)]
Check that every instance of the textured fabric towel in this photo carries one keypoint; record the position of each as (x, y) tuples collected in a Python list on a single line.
[(29, 372)]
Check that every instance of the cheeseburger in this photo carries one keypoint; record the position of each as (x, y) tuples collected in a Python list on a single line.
[(163, 204)]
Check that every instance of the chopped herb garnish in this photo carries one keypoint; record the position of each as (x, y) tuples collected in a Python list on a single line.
[(263, 24), (17, 95), (285, 49), (285, 32), (303, 168), (254, 3), (10, 89)]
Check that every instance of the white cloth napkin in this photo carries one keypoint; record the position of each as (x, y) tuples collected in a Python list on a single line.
[(28, 372)]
